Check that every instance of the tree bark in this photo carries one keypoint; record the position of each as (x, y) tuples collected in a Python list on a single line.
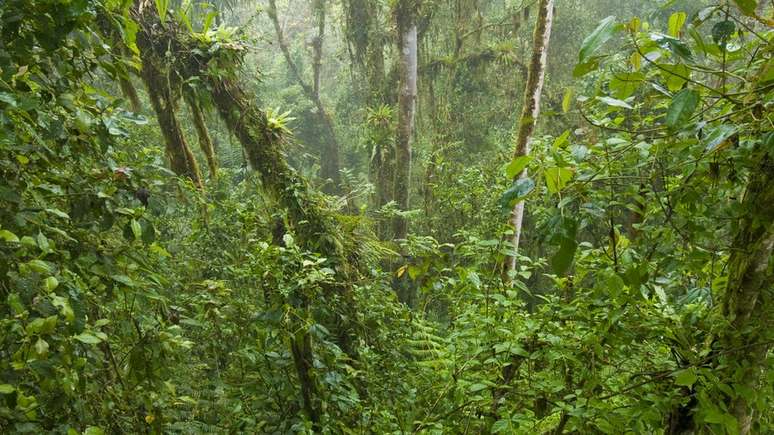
[(164, 94), (163, 100), (329, 157), (531, 109), (747, 302), (130, 92), (205, 140), (407, 96)]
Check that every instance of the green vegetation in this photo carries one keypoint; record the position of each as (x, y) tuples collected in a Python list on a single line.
[(386, 217)]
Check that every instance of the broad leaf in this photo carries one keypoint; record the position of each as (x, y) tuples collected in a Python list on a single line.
[(615, 102), (557, 178), (599, 36), (685, 377), (747, 6), (623, 85), (676, 22), (520, 188), (517, 165), (682, 107), (87, 338), (675, 76)]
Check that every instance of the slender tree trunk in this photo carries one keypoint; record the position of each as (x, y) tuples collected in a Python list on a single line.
[(130, 92), (205, 140), (407, 97), (329, 157), (531, 109)]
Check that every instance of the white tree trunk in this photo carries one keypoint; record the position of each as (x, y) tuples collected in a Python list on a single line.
[(531, 109), (407, 98)]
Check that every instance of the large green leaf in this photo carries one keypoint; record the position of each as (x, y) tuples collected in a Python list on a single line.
[(682, 107), (747, 6), (676, 22), (564, 233), (599, 36), (685, 377), (675, 76), (517, 165), (557, 178), (615, 102), (520, 188), (623, 85)]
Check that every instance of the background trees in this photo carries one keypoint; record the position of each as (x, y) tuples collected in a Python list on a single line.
[(138, 294)]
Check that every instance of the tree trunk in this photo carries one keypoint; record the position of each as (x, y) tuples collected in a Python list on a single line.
[(205, 140), (163, 100), (130, 92), (329, 157), (531, 109), (747, 302), (407, 96)]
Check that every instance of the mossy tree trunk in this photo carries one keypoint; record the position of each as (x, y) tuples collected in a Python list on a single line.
[(205, 140), (747, 303), (163, 100), (164, 91), (315, 228)]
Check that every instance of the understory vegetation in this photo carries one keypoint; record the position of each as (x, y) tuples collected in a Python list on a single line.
[(386, 216)]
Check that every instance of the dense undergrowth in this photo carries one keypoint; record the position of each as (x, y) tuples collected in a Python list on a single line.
[(132, 301)]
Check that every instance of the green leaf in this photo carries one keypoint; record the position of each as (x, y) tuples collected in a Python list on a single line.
[(40, 266), (123, 279), (64, 307), (41, 347), (43, 242), (674, 45), (615, 102), (682, 107), (685, 377), (41, 325), (50, 284), (520, 188), (675, 75), (582, 69), (6, 389), (718, 136), (562, 259), (93, 430), (599, 36), (502, 426), (561, 141), (517, 165), (477, 387), (676, 22), (136, 229), (58, 213), (87, 338), (161, 8), (748, 7), (714, 415), (624, 85), (567, 99), (8, 236), (557, 178)]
